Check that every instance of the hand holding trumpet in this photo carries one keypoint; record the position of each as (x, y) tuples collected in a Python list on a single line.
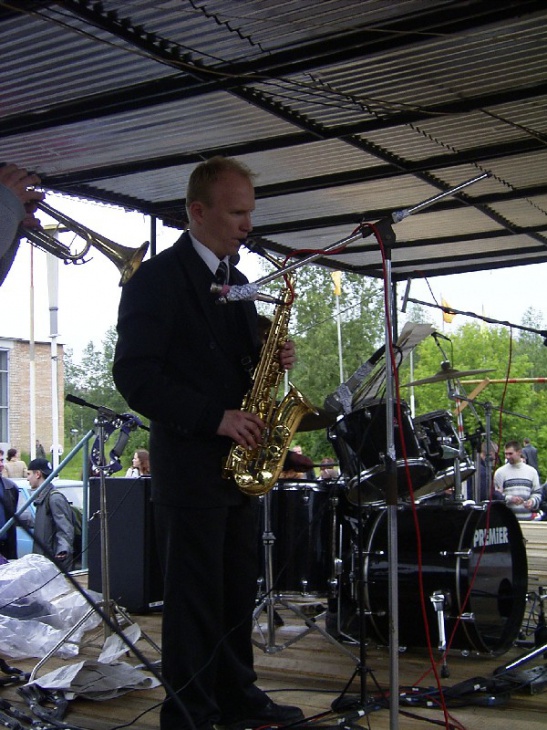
[(22, 184)]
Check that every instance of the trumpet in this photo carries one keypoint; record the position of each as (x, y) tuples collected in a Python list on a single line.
[(126, 259)]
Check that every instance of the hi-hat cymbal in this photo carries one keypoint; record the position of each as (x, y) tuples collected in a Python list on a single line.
[(447, 374)]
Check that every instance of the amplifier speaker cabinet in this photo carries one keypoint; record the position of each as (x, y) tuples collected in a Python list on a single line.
[(135, 577)]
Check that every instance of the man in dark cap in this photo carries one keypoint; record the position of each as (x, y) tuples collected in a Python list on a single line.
[(53, 526)]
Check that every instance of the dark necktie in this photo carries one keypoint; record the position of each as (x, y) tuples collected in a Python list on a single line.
[(221, 275)]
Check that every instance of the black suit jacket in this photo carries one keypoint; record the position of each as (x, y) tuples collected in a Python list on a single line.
[(178, 363)]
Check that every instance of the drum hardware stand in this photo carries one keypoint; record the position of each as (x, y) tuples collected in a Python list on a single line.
[(109, 611), (540, 640), (271, 599), (455, 454), (360, 703), (438, 599)]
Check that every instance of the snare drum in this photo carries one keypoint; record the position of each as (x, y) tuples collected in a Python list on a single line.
[(360, 441)]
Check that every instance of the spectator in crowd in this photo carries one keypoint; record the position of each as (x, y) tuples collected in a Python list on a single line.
[(518, 482), (8, 506), (486, 490), (140, 465), (328, 469), (53, 524), (530, 453), (40, 451), (15, 468)]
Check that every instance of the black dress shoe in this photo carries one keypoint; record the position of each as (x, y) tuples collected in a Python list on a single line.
[(270, 714)]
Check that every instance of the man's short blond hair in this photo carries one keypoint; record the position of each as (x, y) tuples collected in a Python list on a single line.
[(205, 175)]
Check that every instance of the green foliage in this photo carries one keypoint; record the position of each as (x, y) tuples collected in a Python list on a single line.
[(92, 381), (314, 318), (517, 409)]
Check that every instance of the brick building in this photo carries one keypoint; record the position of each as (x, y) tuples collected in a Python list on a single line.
[(15, 395)]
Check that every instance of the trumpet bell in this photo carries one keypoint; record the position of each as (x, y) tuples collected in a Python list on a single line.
[(126, 259)]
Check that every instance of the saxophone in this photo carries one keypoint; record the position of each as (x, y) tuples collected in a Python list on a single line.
[(255, 471)]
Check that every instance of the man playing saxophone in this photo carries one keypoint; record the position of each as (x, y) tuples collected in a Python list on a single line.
[(189, 374)]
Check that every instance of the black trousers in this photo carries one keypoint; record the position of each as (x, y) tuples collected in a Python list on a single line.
[(209, 559)]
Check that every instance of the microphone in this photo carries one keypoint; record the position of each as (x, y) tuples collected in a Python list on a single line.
[(74, 399), (405, 296), (254, 246), (126, 418)]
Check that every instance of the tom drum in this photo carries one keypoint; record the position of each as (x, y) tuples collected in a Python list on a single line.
[(300, 517), (435, 430), (360, 441)]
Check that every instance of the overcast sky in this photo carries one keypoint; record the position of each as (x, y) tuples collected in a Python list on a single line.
[(89, 293)]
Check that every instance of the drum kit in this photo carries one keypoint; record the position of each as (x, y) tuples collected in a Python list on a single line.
[(328, 540)]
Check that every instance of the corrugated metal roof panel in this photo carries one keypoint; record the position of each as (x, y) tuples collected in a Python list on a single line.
[(344, 107)]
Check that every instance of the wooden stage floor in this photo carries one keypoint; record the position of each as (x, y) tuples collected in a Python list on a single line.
[(313, 670), (300, 663)]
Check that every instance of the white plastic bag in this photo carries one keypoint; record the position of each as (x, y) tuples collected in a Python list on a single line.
[(38, 607)]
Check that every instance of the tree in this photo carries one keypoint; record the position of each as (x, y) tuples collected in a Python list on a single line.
[(314, 329), (517, 409), (92, 381)]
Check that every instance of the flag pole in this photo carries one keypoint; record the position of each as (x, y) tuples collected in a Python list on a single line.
[(337, 280)]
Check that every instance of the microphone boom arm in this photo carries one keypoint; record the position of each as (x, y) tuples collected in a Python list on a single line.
[(251, 291)]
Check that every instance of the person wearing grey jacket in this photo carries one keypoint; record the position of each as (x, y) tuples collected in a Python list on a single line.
[(53, 524), (18, 200)]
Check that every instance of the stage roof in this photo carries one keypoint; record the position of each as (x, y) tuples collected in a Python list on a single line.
[(348, 110)]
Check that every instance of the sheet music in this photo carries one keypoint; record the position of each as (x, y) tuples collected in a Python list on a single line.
[(366, 383)]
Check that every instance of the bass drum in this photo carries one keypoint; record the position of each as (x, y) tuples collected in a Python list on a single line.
[(474, 557), (300, 517), (435, 430), (360, 441)]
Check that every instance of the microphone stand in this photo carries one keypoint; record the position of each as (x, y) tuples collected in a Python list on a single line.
[(391, 501), (109, 611), (390, 462)]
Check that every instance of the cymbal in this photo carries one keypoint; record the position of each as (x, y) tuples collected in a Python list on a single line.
[(315, 421), (447, 374)]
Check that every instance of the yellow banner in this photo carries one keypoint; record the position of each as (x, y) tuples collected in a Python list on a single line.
[(446, 316), (337, 280)]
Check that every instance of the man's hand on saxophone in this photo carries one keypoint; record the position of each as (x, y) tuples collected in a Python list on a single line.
[(246, 428), (287, 355), (242, 427)]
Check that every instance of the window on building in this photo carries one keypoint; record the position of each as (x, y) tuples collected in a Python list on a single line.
[(4, 396)]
